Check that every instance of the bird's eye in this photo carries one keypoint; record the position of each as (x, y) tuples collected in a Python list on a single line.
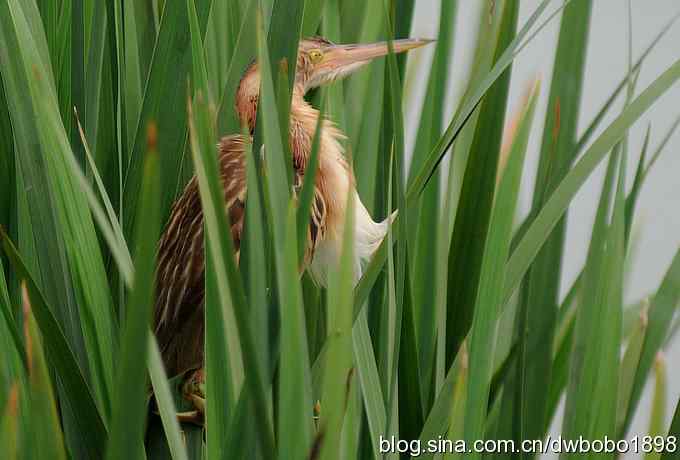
[(315, 56)]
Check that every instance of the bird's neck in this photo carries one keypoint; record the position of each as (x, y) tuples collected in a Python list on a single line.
[(334, 178), (334, 183), (303, 122)]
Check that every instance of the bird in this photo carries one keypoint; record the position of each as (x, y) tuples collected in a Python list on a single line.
[(178, 319)]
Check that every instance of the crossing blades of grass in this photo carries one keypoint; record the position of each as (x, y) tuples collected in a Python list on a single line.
[(460, 119), (107, 222), (662, 145), (594, 365), (539, 298), (559, 200)]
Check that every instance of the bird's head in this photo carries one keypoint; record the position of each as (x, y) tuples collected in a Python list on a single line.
[(319, 61)]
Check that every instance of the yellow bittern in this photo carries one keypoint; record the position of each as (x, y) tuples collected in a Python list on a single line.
[(179, 308)]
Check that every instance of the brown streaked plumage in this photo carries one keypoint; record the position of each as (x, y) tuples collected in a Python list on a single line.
[(179, 310)]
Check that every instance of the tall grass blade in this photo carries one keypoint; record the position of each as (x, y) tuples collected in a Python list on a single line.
[(163, 397), (229, 284), (489, 294), (295, 389), (425, 274), (164, 102), (338, 374), (540, 293), (598, 324), (374, 401), (476, 199), (127, 426)]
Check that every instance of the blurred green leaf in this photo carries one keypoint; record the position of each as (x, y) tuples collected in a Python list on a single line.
[(45, 430), (8, 423), (657, 417), (629, 364), (61, 357)]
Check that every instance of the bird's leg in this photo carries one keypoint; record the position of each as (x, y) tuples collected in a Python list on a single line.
[(193, 390)]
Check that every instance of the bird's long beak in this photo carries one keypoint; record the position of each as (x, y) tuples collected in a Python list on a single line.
[(341, 60), (344, 55)]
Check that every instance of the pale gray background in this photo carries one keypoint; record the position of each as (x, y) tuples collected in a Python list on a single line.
[(657, 216)]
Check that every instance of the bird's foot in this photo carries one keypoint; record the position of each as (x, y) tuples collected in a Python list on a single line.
[(193, 390)]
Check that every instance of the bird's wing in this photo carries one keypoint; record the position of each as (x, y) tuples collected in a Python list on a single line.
[(181, 268)]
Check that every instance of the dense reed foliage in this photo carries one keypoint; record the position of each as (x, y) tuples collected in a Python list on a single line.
[(456, 329)]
